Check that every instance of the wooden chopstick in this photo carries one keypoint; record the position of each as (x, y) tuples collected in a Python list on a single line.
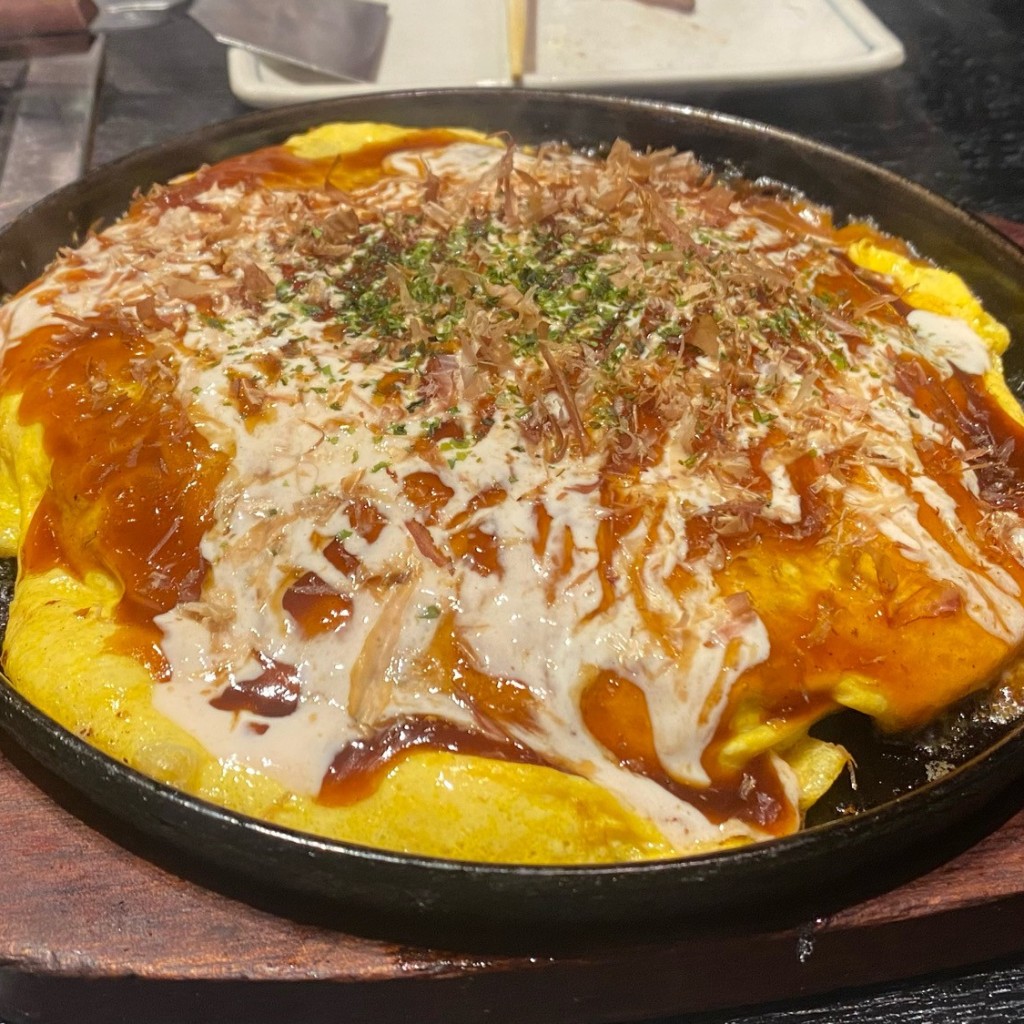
[(518, 27)]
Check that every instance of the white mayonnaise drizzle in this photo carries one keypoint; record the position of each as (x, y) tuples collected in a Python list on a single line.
[(946, 341)]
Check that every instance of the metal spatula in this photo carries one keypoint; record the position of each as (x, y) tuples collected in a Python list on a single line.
[(343, 38)]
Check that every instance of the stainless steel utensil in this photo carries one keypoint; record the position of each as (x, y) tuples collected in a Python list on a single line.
[(51, 128), (122, 15), (341, 38)]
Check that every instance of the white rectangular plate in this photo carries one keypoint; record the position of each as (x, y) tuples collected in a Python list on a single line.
[(585, 44)]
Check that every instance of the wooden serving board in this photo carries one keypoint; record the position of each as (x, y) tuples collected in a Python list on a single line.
[(97, 925)]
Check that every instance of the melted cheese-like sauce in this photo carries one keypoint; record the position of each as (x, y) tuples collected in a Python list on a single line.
[(539, 514)]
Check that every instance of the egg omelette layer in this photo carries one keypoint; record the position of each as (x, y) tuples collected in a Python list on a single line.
[(418, 490)]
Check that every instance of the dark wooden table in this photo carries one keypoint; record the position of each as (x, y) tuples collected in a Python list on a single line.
[(946, 949)]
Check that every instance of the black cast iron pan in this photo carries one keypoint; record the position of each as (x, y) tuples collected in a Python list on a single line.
[(900, 812)]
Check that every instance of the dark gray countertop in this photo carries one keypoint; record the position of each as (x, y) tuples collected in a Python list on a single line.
[(952, 119)]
